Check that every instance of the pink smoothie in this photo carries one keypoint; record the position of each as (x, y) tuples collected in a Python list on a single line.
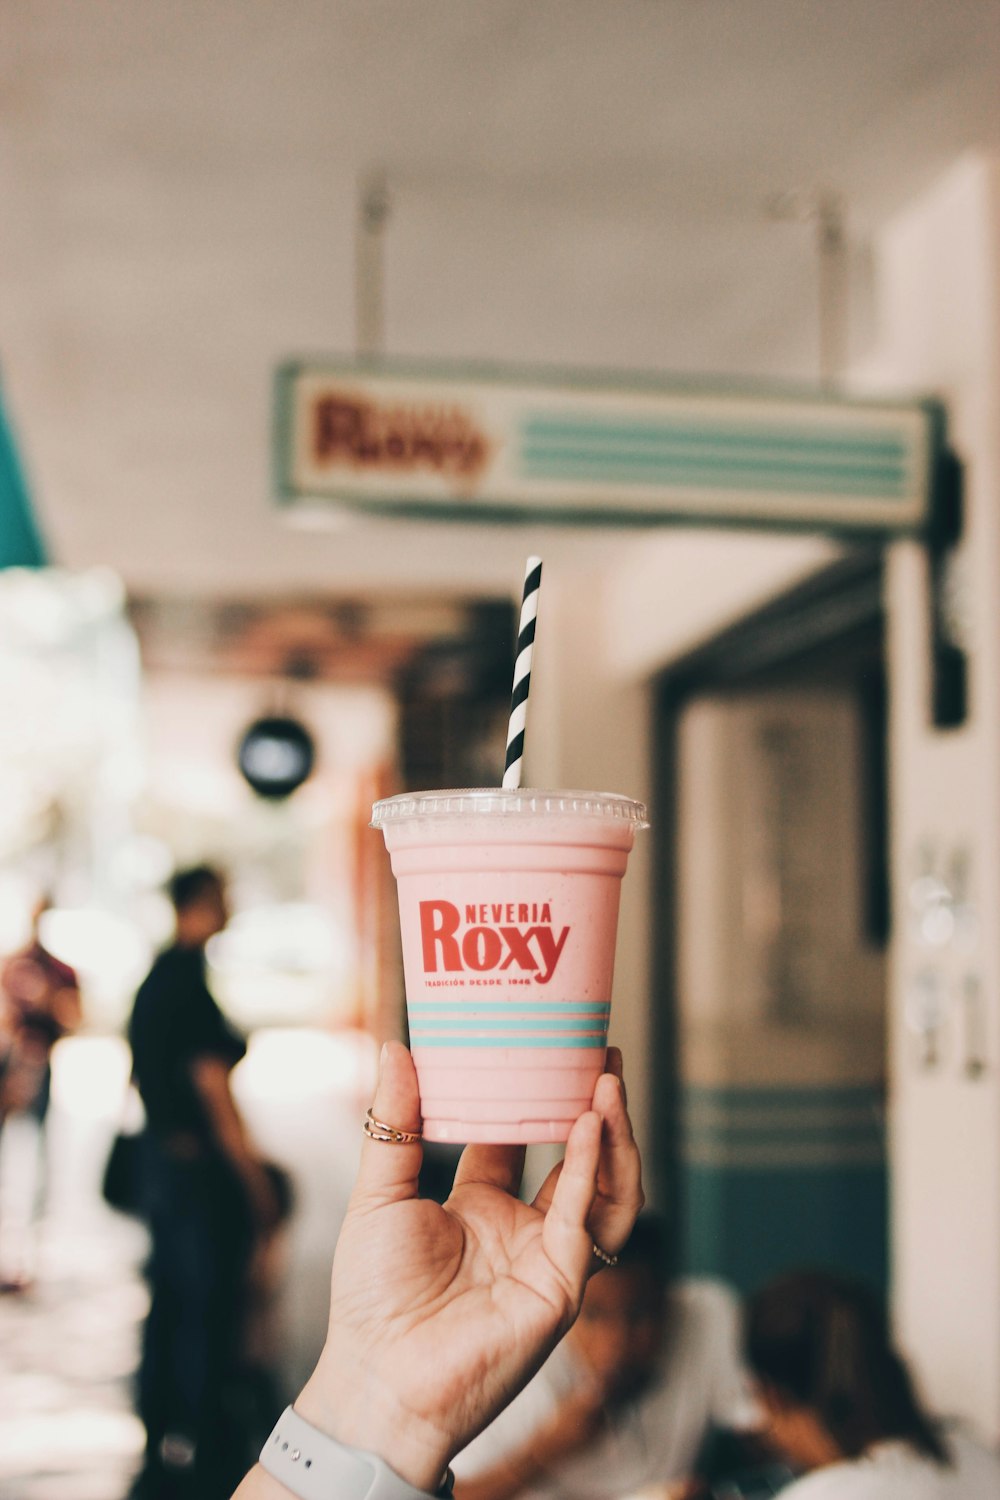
[(508, 904)]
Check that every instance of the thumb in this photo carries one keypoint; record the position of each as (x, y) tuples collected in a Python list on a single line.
[(388, 1172)]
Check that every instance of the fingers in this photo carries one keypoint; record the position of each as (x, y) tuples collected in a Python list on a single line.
[(543, 1197), (565, 1236), (388, 1172), (619, 1178), (619, 1195), (496, 1166)]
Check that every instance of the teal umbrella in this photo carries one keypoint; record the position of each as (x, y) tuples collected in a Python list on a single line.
[(21, 544)]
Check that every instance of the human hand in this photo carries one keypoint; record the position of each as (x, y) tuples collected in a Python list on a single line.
[(440, 1314)]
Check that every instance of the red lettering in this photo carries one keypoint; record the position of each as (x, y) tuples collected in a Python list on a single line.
[(438, 925), (360, 432), (534, 950), (550, 947), (472, 455), (518, 950), (481, 948), (338, 427)]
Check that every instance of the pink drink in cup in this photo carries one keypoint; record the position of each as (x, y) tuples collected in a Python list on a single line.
[(508, 907)]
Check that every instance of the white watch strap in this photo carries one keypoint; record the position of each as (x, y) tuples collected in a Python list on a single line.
[(315, 1466)]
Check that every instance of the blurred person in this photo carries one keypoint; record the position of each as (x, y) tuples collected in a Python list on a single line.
[(39, 1004), (439, 1314), (629, 1398), (840, 1405), (210, 1202), (256, 1385)]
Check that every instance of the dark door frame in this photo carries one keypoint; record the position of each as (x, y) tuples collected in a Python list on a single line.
[(835, 617)]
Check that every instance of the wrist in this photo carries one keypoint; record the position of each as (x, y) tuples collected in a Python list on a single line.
[(354, 1414), (312, 1465)]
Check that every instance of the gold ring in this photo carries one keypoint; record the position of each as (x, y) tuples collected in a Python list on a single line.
[(378, 1130), (603, 1256)]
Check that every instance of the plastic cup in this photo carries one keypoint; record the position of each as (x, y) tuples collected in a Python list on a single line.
[(508, 910)]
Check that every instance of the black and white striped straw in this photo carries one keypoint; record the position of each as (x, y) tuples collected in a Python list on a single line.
[(522, 674)]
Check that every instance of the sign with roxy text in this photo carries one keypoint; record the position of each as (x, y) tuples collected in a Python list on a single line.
[(488, 444)]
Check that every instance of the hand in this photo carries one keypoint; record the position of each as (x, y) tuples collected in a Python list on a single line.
[(440, 1314)]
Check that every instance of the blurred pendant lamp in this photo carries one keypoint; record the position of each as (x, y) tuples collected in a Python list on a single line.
[(277, 753)]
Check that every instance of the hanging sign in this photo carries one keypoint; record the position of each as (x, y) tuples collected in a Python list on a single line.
[(487, 444)]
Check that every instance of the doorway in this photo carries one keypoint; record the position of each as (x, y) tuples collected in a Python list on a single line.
[(772, 882)]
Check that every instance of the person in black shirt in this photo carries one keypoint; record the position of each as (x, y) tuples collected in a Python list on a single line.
[(209, 1196)]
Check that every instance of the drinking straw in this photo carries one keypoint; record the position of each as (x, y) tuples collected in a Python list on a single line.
[(522, 673)]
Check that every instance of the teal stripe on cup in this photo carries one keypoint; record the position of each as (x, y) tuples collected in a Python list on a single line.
[(509, 1023), (518, 1023), (593, 1042)]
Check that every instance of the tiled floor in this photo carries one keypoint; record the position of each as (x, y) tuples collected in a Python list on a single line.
[(69, 1346), (67, 1350)]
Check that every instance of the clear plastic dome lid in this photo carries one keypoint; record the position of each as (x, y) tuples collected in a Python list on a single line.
[(507, 801)]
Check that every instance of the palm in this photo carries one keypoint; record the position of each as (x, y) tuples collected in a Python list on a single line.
[(473, 1287)]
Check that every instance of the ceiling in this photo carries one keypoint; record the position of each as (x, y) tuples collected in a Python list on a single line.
[(579, 182)]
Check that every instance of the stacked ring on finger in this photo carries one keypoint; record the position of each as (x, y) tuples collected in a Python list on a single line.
[(378, 1130)]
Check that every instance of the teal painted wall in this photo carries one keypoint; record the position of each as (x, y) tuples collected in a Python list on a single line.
[(21, 544), (773, 1178)]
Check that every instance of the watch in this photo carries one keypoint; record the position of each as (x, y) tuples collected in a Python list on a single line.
[(315, 1466)]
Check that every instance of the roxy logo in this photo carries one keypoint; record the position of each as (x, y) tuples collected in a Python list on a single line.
[(399, 437), (493, 935)]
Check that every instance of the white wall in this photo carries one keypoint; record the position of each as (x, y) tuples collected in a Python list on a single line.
[(681, 587), (940, 270)]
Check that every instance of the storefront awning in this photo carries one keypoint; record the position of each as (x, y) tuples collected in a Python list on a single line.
[(21, 544)]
